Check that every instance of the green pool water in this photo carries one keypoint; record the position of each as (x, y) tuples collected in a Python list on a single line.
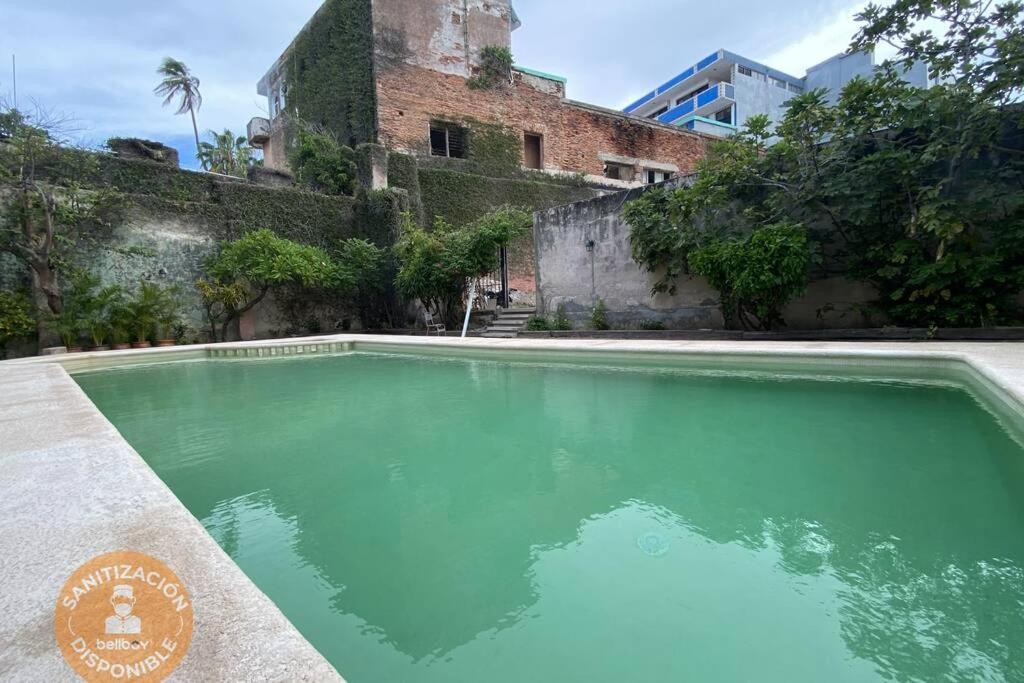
[(442, 520)]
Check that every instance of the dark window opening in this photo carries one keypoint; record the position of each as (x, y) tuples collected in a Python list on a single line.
[(533, 150), (447, 140), (657, 176), (693, 93), (725, 115), (659, 112), (618, 172)]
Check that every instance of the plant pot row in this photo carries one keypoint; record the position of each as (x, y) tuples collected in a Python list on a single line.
[(123, 347)]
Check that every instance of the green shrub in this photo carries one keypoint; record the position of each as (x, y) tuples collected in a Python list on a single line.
[(599, 316), (561, 321), (495, 68), (537, 323), (435, 265), (652, 325), (323, 165), (245, 270), (757, 276), (17, 317)]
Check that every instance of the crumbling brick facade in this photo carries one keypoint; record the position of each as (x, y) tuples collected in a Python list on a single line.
[(423, 53), (576, 137)]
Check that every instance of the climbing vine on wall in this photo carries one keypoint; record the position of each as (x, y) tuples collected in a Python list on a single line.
[(495, 68), (330, 72)]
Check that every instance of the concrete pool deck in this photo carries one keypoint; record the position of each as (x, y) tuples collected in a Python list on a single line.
[(72, 488)]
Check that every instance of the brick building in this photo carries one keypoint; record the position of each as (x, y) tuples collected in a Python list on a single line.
[(412, 95)]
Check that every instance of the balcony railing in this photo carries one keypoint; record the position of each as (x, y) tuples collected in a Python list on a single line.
[(699, 66), (709, 96)]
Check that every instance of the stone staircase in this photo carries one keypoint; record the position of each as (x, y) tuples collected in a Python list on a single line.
[(509, 323)]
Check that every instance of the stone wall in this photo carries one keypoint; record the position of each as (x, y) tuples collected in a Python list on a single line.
[(575, 135), (174, 219), (571, 274), (444, 35)]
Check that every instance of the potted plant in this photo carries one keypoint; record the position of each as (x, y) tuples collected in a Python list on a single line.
[(168, 314), (68, 325), (143, 311), (97, 315), (119, 320)]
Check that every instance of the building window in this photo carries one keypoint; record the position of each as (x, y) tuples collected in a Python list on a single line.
[(692, 93), (745, 70), (533, 150), (614, 171), (724, 116), (779, 83), (657, 176), (795, 88), (447, 140), (658, 113)]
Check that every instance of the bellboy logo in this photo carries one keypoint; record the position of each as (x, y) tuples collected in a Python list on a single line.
[(123, 616)]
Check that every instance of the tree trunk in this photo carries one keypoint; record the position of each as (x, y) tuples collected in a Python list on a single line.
[(195, 129), (47, 298)]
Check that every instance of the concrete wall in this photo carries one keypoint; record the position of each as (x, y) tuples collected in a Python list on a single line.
[(757, 96), (836, 72), (443, 35), (569, 274)]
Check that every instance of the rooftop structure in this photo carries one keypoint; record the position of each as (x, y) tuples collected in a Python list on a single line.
[(720, 92), (419, 101)]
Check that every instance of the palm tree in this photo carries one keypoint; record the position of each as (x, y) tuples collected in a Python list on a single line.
[(178, 82), (227, 154)]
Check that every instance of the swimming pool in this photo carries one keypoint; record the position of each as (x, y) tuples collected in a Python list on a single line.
[(431, 518)]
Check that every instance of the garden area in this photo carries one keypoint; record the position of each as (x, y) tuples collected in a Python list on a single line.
[(64, 212)]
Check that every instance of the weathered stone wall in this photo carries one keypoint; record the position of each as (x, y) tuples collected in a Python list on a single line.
[(575, 136), (444, 35), (174, 219), (570, 274), (444, 191)]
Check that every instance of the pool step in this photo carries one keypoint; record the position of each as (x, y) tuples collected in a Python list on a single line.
[(509, 323)]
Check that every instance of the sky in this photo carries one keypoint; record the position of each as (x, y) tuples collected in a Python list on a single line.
[(95, 60)]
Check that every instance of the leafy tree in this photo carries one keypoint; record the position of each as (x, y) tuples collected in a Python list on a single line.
[(322, 164), (919, 192), (435, 266), (758, 275), (227, 154), (178, 83), (17, 318), (245, 270), (49, 209)]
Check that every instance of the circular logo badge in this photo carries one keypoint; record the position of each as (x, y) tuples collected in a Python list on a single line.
[(123, 616)]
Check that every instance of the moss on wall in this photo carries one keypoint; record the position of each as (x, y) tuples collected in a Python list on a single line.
[(495, 149), (460, 198), (330, 71), (403, 173)]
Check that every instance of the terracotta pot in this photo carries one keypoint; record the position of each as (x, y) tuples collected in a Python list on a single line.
[(74, 349), (121, 347), (99, 348), (141, 345), (165, 342)]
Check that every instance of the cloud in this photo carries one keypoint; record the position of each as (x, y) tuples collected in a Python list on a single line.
[(96, 60), (612, 52)]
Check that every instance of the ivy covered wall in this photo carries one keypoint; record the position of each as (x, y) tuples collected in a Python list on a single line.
[(330, 73), (460, 197), (173, 220)]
